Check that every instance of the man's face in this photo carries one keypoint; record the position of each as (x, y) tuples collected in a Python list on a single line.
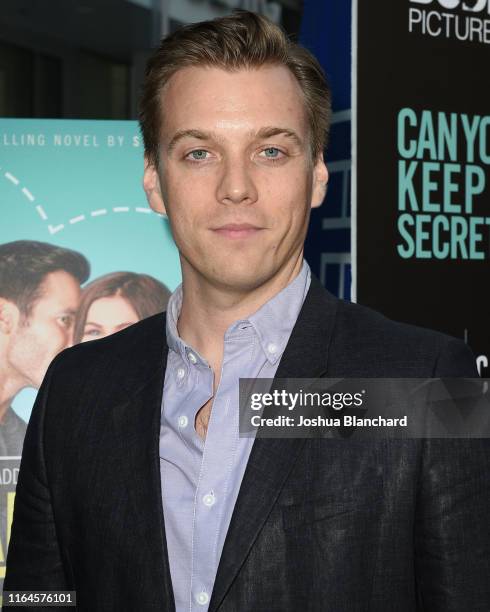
[(47, 331), (236, 177)]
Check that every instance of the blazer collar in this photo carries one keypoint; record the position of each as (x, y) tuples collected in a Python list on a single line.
[(271, 460), (136, 435)]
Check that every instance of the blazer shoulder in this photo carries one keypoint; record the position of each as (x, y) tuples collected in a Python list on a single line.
[(390, 348), (137, 344)]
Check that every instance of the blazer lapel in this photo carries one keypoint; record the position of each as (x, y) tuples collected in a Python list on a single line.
[(137, 429), (271, 460)]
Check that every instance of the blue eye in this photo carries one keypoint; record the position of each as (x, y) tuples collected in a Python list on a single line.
[(91, 333), (271, 152), (198, 154)]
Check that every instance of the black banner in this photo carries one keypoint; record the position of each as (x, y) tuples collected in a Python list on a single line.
[(422, 144)]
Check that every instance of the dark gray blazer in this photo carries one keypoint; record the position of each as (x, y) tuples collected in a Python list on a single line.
[(319, 525)]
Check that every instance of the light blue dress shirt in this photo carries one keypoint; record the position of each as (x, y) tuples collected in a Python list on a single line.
[(201, 478)]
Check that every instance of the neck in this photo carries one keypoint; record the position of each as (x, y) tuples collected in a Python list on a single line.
[(207, 310), (9, 387)]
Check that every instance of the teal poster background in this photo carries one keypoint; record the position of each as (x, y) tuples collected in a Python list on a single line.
[(77, 184)]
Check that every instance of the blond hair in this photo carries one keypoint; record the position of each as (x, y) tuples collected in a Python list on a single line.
[(238, 41)]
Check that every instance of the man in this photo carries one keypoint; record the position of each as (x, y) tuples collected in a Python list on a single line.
[(39, 295), (135, 487)]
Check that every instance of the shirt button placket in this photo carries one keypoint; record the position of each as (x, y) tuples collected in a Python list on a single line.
[(209, 499), (202, 598)]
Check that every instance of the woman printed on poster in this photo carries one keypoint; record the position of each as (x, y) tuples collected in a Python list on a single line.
[(114, 301)]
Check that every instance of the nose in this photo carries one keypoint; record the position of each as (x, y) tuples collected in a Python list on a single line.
[(236, 184)]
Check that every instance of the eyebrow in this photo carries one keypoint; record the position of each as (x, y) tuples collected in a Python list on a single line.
[(263, 133)]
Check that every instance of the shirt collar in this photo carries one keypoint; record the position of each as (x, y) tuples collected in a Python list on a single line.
[(174, 341), (272, 322)]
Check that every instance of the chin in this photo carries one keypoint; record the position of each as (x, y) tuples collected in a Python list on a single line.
[(242, 280), (38, 376), (36, 383)]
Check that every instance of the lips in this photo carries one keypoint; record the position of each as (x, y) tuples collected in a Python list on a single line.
[(237, 230)]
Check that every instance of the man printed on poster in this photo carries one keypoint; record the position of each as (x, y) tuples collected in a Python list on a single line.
[(39, 296)]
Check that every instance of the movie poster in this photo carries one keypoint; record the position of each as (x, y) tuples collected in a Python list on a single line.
[(422, 165), (81, 256)]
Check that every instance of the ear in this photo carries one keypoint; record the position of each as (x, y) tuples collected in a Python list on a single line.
[(9, 316), (151, 185), (320, 180)]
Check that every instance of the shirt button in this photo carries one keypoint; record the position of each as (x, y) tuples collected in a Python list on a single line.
[(192, 358), (183, 420), (272, 348), (202, 598), (180, 373), (209, 499)]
